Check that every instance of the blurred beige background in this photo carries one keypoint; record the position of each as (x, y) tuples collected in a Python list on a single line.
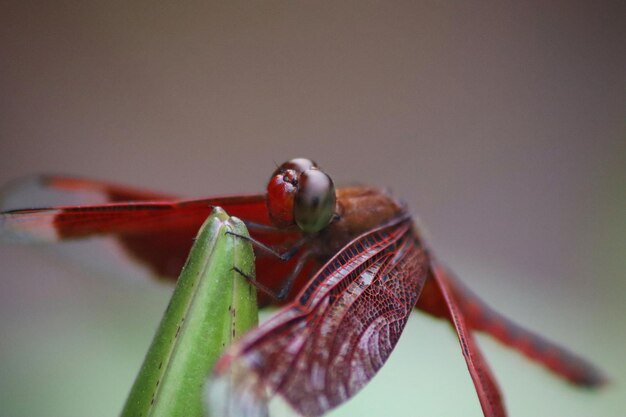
[(502, 124)]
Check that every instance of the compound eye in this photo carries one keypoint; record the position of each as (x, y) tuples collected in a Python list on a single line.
[(281, 191), (315, 200)]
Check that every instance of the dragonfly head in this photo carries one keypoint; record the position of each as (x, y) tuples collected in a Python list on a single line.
[(300, 193)]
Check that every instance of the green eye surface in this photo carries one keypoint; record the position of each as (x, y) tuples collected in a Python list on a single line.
[(315, 201)]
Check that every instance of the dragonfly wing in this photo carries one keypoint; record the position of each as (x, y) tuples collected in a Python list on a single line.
[(486, 386), (157, 234), (47, 190), (77, 207), (480, 316), (58, 206), (129, 218), (324, 347)]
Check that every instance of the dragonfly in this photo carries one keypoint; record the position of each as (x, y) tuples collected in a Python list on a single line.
[(347, 265)]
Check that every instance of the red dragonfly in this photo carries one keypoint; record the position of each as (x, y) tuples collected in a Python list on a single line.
[(348, 264)]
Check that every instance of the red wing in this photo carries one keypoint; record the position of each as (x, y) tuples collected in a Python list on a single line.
[(112, 192), (98, 208), (157, 233), (484, 382), (46, 190), (131, 218), (323, 348), (479, 316)]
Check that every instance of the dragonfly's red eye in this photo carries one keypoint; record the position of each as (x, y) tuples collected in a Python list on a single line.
[(281, 191), (299, 193)]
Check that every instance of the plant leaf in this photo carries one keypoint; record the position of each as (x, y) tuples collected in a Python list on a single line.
[(211, 306)]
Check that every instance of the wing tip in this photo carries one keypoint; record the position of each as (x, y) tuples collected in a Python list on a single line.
[(24, 226), (235, 389), (593, 379), (26, 191)]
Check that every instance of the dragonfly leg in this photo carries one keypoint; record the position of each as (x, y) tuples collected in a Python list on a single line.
[(260, 227), (252, 279), (283, 291), (285, 288), (285, 256)]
